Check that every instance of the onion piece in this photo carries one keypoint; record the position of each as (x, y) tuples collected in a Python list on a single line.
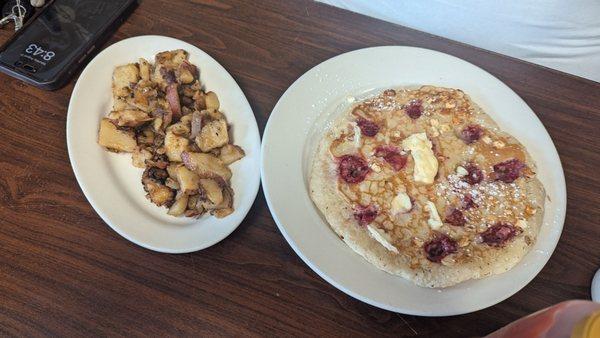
[(173, 99)]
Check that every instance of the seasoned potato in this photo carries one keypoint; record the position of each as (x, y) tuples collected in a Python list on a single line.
[(212, 135), (178, 208), (143, 97), (144, 69), (158, 193), (212, 189), (139, 157), (121, 104), (185, 73), (180, 129), (220, 213), (231, 153), (199, 100), (212, 101), (123, 78), (129, 117), (206, 165), (115, 139), (171, 59), (188, 180), (175, 145), (227, 202), (163, 117)]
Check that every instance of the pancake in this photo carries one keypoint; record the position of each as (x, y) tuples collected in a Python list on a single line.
[(423, 184)]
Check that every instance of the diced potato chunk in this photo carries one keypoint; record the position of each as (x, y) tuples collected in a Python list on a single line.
[(212, 189), (172, 58), (231, 153), (175, 145), (188, 180), (123, 78), (206, 165), (139, 157), (211, 101), (220, 213), (159, 194), (129, 117), (144, 69), (121, 104), (184, 73), (213, 135), (179, 206), (114, 139)]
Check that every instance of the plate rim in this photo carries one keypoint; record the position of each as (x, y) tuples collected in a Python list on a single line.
[(339, 286), (252, 190)]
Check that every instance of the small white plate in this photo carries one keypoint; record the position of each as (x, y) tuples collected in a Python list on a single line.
[(297, 124), (110, 182)]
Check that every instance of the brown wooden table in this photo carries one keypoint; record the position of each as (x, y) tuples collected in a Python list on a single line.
[(63, 271)]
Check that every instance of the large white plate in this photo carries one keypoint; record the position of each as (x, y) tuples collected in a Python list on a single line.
[(296, 125), (112, 185)]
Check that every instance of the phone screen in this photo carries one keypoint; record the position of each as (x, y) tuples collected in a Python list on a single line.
[(58, 35)]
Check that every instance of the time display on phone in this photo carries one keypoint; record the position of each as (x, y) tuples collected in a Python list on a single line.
[(37, 51)]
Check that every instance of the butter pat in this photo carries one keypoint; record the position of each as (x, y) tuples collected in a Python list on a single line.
[(400, 204), (426, 164), (434, 220), (382, 237)]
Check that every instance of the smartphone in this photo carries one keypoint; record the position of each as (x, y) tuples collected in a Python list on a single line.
[(55, 43)]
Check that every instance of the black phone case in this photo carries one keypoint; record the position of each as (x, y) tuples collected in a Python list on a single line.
[(65, 74)]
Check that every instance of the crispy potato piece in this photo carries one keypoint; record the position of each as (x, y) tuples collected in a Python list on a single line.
[(192, 201), (206, 165), (231, 153), (172, 58), (212, 101), (226, 203), (180, 129), (199, 100), (115, 139), (185, 73), (221, 213), (212, 189), (171, 183), (158, 78), (178, 208), (213, 135), (144, 69), (123, 77), (189, 181), (129, 117), (143, 97), (175, 145), (159, 194), (139, 157), (121, 104), (146, 136)]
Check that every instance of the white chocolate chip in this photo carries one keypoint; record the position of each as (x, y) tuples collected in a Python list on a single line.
[(486, 139), (382, 237), (357, 137), (434, 122), (375, 167), (460, 171), (434, 220)]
